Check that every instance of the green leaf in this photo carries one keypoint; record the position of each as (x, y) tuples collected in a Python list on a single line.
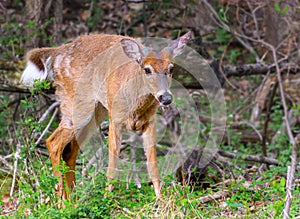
[(285, 10), (24, 101), (277, 7), (222, 48), (30, 24), (282, 182)]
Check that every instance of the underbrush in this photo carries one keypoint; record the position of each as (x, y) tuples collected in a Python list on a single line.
[(256, 198)]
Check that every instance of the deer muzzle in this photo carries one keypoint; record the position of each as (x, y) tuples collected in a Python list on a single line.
[(165, 98)]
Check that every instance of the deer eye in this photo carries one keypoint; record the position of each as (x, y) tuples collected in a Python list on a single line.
[(147, 70)]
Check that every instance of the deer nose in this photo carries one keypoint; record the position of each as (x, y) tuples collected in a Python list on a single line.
[(165, 98)]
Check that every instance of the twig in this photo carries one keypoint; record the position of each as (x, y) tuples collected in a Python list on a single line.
[(8, 156), (4, 161), (291, 178), (95, 159), (5, 171), (253, 127), (47, 127), (17, 156), (221, 64), (53, 105), (12, 103), (44, 153), (221, 24)]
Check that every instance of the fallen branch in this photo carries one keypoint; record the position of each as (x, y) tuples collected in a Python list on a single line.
[(217, 195), (255, 158), (137, 1), (258, 69)]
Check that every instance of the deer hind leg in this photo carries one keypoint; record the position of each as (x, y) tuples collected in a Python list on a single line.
[(56, 144), (69, 156), (149, 139)]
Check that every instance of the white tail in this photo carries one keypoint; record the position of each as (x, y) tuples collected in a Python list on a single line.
[(37, 67)]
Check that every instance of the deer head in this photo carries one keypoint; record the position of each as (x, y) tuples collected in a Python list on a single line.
[(157, 67)]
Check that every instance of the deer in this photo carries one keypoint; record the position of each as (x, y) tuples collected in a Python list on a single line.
[(102, 75)]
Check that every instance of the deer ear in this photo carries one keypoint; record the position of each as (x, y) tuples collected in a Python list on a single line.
[(177, 46), (131, 49)]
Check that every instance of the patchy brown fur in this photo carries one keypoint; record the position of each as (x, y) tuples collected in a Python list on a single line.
[(93, 77), (69, 63)]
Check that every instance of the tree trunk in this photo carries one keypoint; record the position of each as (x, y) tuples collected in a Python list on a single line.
[(271, 21), (58, 20), (33, 18)]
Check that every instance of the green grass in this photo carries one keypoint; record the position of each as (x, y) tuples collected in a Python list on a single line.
[(261, 198)]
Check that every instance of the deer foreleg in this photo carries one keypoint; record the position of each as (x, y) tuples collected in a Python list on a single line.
[(149, 139), (114, 143)]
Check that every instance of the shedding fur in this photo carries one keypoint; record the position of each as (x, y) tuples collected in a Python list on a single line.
[(96, 76)]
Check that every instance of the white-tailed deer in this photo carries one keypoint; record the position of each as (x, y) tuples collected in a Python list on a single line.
[(96, 74)]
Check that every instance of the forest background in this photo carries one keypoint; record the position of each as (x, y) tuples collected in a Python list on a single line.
[(254, 49)]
